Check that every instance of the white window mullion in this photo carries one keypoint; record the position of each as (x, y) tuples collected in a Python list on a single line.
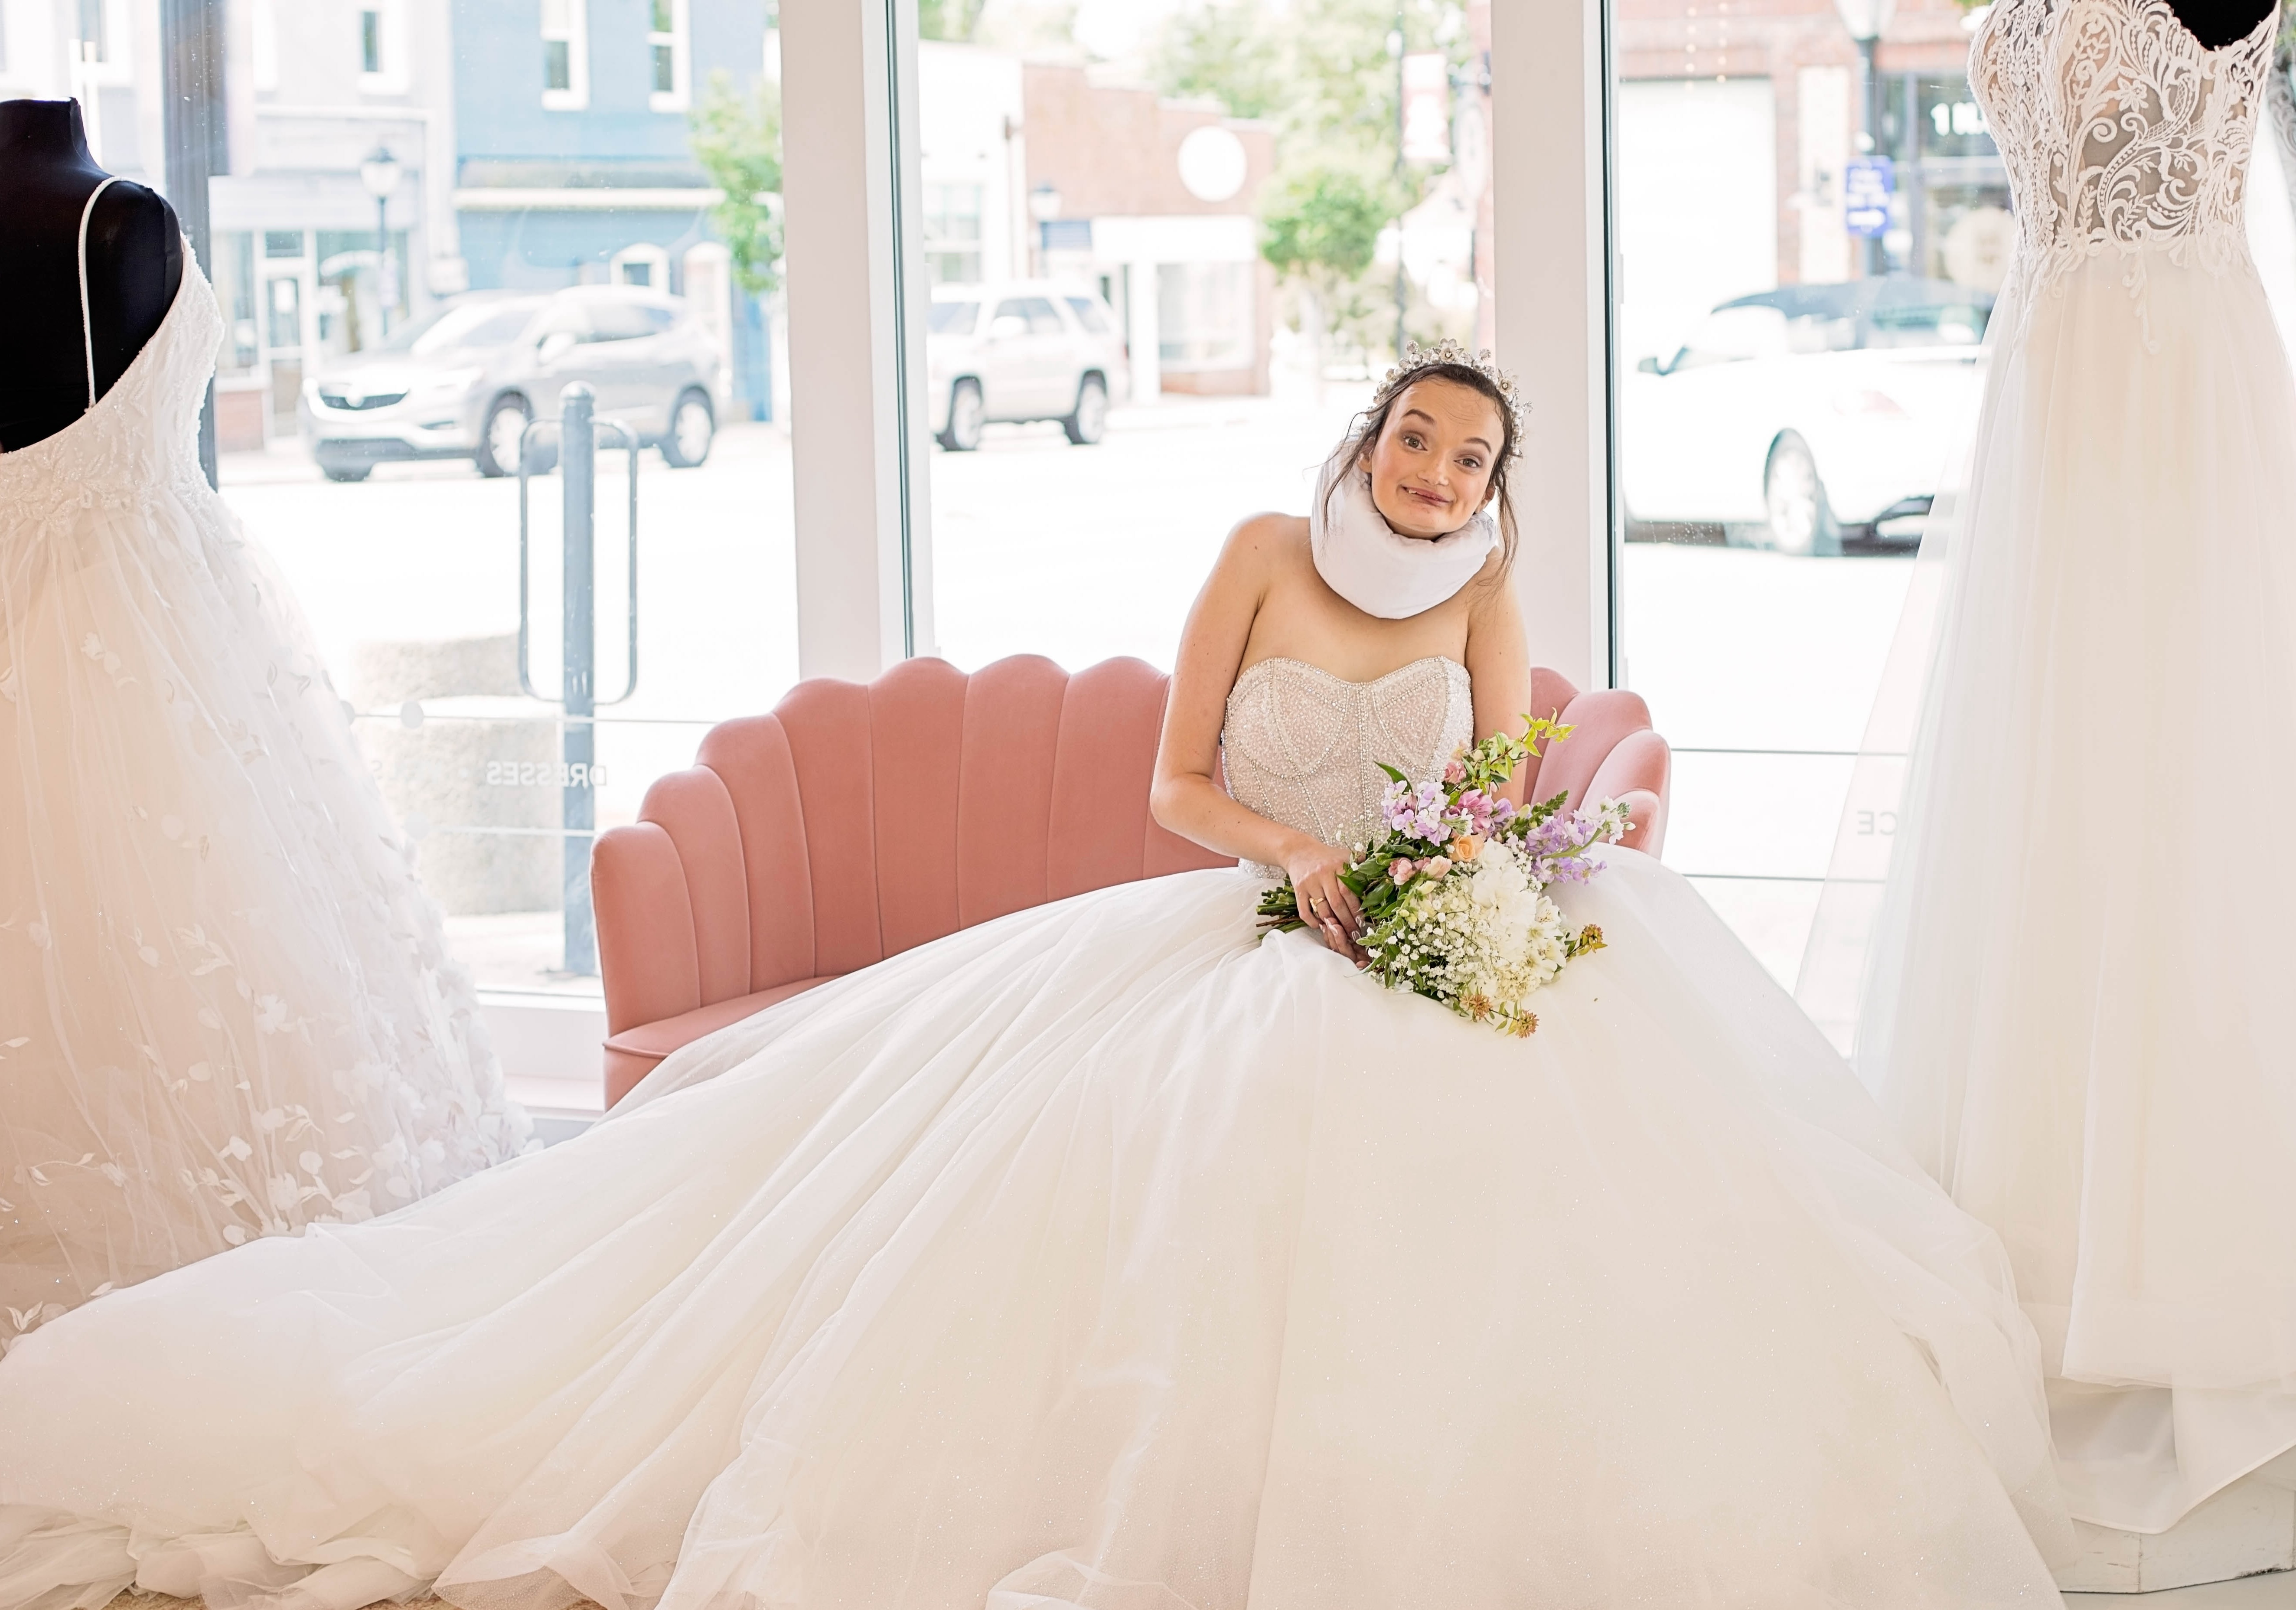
[(1551, 289), (853, 201)]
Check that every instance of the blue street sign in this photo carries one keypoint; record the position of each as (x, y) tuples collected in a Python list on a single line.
[(1867, 184)]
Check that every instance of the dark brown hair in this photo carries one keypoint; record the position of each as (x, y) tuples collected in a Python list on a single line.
[(1367, 426)]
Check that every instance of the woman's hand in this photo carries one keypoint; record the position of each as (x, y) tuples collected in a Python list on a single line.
[(1327, 905)]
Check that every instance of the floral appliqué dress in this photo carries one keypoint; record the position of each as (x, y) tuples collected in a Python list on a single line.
[(225, 1008)]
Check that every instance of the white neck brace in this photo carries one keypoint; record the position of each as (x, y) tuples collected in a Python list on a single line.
[(1362, 559)]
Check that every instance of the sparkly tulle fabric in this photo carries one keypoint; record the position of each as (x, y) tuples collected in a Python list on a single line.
[(225, 1010), (1107, 1257), (2074, 984)]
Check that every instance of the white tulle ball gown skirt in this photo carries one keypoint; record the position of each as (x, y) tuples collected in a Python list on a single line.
[(227, 1010), (1105, 1256), (2077, 1014)]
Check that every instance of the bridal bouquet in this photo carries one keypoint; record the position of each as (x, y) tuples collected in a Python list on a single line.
[(1454, 896)]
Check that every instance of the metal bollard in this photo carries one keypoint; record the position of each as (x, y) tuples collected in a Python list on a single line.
[(577, 470), (579, 431)]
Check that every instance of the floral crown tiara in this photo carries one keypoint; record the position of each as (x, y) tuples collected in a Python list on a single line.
[(1447, 353)]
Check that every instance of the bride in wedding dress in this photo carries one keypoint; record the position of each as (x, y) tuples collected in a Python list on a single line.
[(1108, 1256), (227, 1010), (2074, 1011)]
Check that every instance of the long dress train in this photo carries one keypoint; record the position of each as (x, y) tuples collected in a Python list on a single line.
[(1105, 1256), (2078, 971), (225, 1008)]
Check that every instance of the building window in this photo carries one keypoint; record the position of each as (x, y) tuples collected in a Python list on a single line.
[(234, 287), (565, 54), (666, 31), (1203, 315), (101, 29), (382, 47), (952, 224), (644, 264)]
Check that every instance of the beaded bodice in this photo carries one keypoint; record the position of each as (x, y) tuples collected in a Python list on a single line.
[(1303, 747), (2120, 131)]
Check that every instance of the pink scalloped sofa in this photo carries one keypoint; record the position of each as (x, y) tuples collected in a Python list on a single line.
[(857, 821)]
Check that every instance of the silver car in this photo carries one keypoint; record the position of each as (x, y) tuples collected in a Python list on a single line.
[(464, 382), (1021, 349)]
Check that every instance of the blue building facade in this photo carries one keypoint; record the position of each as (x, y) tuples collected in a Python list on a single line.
[(572, 154)]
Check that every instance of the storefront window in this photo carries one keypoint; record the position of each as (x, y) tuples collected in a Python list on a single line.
[(433, 224), (1183, 274), (1950, 219), (1796, 363)]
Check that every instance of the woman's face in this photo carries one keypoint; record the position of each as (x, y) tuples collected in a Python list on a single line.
[(1430, 466)]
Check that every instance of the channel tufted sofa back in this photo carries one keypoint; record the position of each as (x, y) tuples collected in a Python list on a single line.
[(856, 822)]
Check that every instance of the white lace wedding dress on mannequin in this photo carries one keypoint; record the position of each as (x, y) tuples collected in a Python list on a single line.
[(1105, 1256), (2078, 977), (225, 1011)]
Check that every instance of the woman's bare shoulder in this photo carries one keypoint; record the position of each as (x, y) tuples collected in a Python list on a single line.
[(1270, 536), (1261, 549)]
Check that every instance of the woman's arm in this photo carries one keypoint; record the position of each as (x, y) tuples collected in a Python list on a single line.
[(1498, 659), (1184, 797)]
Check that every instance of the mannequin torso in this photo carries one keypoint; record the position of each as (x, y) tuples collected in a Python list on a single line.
[(135, 264)]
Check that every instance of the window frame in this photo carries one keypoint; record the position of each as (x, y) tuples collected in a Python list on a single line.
[(1554, 278), (679, 42), (576, 95), (115, 67), (388, 76)]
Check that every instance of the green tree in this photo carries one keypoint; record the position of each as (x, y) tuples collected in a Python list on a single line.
[(1319, 229), (1229, 52), (948, 19), (1323, 72), (737, 139)]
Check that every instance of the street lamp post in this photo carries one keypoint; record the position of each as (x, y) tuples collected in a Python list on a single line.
[(379, 174), (1866, 19)]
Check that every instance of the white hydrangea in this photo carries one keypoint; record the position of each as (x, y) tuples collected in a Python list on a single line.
[(1481, 939)]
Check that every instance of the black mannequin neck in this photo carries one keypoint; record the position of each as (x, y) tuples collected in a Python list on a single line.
[(46, 131), (2217, 23), (134, 255)]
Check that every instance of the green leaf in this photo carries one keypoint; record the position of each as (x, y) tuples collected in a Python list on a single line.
[(736, 137)]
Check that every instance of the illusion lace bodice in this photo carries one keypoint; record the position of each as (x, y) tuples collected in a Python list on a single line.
[(2120, 131), (1303, 747)]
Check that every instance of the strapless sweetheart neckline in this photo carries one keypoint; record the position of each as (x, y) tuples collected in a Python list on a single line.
[(1309, 665)]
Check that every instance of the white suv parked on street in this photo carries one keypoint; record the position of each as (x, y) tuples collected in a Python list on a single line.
[(1021, 349)]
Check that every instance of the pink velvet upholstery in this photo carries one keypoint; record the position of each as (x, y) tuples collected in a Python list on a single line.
[(856, 822)]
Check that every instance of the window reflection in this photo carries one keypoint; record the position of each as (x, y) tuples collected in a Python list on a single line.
[(1808, 267)]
